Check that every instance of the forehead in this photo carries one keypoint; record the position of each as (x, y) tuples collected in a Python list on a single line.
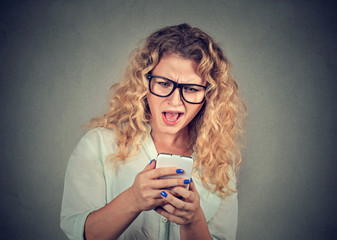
[(178, 69)]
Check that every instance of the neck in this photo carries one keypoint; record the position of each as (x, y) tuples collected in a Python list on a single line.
[(172, 143)]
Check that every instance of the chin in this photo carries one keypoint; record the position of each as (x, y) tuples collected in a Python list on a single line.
[(172, 130)]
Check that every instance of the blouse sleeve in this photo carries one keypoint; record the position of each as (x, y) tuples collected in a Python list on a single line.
[(84, 186), (224, 223)]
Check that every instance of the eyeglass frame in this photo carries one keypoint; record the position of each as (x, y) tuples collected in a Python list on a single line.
[(175, 86)]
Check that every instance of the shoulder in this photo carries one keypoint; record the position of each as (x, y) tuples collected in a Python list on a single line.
[(99, 141), (98, 136), (99, 132)]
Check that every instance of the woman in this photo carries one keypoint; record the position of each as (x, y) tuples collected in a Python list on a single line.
[(177, 97)]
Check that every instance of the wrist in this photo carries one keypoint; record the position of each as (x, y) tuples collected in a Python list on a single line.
[(199, 217), (131, 202), (196, 229)]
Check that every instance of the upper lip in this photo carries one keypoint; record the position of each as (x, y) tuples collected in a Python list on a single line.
[(172, 111)]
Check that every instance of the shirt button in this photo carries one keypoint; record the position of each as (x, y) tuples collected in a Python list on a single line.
[(164, 220)]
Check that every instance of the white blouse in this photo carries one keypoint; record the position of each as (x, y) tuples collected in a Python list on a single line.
[(90, 184)]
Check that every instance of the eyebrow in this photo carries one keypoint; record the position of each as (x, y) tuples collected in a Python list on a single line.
[(200, 84)]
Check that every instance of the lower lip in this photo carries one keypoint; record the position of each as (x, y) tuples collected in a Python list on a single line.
[(171, 123)]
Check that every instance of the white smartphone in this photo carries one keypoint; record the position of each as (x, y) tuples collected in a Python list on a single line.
[(171, 160)]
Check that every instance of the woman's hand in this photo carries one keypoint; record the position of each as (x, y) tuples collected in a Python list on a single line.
[(146, 189), (110, 221), (183, 205), (183, 208)]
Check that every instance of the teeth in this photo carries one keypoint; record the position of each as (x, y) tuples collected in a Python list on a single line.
[(172, 116)]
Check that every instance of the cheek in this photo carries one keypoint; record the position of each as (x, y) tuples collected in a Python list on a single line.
[(196, 109), (150, 101), (153, 104), (192, 113)]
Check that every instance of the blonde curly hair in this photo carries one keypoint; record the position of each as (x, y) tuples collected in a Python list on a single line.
[(216, 130)]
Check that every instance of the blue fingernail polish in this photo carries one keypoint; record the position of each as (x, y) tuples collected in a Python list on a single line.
[(163, 193), (191, 180), (186, 181), (151, 162), (179, 171)]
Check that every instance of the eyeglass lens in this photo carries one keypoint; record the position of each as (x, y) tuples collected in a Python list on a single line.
[(163, 87)]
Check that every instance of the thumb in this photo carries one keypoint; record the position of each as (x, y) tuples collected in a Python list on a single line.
[(150, 166)]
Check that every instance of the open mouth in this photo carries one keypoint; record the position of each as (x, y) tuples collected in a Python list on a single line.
[(171, 117)]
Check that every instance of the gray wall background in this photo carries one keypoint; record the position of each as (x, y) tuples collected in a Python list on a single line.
[(58, 59)]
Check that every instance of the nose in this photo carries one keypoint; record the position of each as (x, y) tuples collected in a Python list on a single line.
[(175, 98)]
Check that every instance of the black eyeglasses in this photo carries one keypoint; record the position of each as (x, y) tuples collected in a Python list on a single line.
[(164, 87)]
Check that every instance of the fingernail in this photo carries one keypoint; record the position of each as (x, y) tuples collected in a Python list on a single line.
[(186, 181), (171, 187), (151, 162), (191, 180), (179, 171), (163, 193)]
